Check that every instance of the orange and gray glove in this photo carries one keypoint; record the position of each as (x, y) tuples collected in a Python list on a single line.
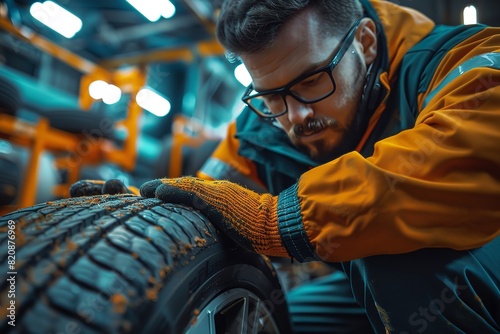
[(100, 187), (250, 219)]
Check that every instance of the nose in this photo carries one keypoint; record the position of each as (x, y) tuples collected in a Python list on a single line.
[(298, 112)]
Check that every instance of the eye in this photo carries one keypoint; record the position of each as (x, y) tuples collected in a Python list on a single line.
[(312, 80), (272, 99)]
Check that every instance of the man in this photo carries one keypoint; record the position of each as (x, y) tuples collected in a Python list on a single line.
[(370, 140)]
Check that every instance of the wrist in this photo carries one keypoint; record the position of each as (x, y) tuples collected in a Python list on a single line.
[(272, 244)]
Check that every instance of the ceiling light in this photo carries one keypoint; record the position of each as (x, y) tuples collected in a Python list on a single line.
[(470, 15), (153, 102), (153, 9), (168, 10), (241, 74), (56, 18), (110, 94), (97, 89)]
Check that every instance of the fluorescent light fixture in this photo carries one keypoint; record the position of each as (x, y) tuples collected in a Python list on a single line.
[(167, 9), (153, 102), (56, 18), (154, 9), (110, 94), (97, 89), (241, 74), (470, 15)]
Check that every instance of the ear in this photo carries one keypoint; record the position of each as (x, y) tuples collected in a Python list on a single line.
[(366, 38)]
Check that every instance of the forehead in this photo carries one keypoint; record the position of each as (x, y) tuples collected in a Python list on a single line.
[(302, 43)]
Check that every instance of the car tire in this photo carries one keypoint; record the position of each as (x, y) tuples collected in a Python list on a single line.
[(128, 264), (92, 124), (10, 177), (10, 98)]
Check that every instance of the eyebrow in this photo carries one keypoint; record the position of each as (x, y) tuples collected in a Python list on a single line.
[(310, 68)]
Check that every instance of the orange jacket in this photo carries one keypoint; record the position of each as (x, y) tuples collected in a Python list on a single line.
[(432, 183)]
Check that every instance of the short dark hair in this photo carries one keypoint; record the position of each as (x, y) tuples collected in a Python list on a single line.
[(251, 26)]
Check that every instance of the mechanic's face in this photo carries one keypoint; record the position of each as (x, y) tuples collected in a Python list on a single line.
[(320, 127)]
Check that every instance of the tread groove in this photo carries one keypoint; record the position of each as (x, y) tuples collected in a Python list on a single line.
[(109, 268), (156, 247), (167, 233), (72, 315), (125, 251)]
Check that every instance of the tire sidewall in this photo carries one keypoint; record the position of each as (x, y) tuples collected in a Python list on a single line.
[(212, 272)]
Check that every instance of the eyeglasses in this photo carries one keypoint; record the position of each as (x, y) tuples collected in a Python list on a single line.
[(308, 88)]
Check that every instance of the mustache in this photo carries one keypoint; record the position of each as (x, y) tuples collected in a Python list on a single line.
[(312, 125)]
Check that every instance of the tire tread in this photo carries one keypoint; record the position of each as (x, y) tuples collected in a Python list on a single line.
[(97, 262)]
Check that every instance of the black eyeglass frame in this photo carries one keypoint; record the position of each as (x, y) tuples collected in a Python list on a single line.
[(285, 90)]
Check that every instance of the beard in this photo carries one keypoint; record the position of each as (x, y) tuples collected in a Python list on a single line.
[(322, 150)]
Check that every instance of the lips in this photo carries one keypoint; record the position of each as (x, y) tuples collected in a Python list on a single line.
[(306, 133), (311, 137)]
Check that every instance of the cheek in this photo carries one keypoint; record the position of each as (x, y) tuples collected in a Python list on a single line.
[(343, 94), (349, 79), (334, 106), (343, 103)]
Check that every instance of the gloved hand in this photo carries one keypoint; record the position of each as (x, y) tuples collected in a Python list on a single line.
[(100, 187), (250, 219)]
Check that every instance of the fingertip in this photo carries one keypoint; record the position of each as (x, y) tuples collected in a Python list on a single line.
[(148, 189), (172, 194), (114, 186), (86, 188), (162, 191)]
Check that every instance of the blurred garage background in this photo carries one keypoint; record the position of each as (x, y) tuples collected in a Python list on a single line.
[(123, 94)]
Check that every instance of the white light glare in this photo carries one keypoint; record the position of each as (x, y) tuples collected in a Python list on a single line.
[(154, 9), (56, 18), (113, 95), (152, 102), (97, 89), (110, 94), (167, 10), (241, 74), (470, 15)]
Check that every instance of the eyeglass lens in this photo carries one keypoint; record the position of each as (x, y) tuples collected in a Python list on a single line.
[(310, 89)]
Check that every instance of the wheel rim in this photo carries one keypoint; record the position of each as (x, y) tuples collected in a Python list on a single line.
[(234, 311)]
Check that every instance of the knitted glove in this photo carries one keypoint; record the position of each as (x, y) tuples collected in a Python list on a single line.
[(100, 187), (248, 218)]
